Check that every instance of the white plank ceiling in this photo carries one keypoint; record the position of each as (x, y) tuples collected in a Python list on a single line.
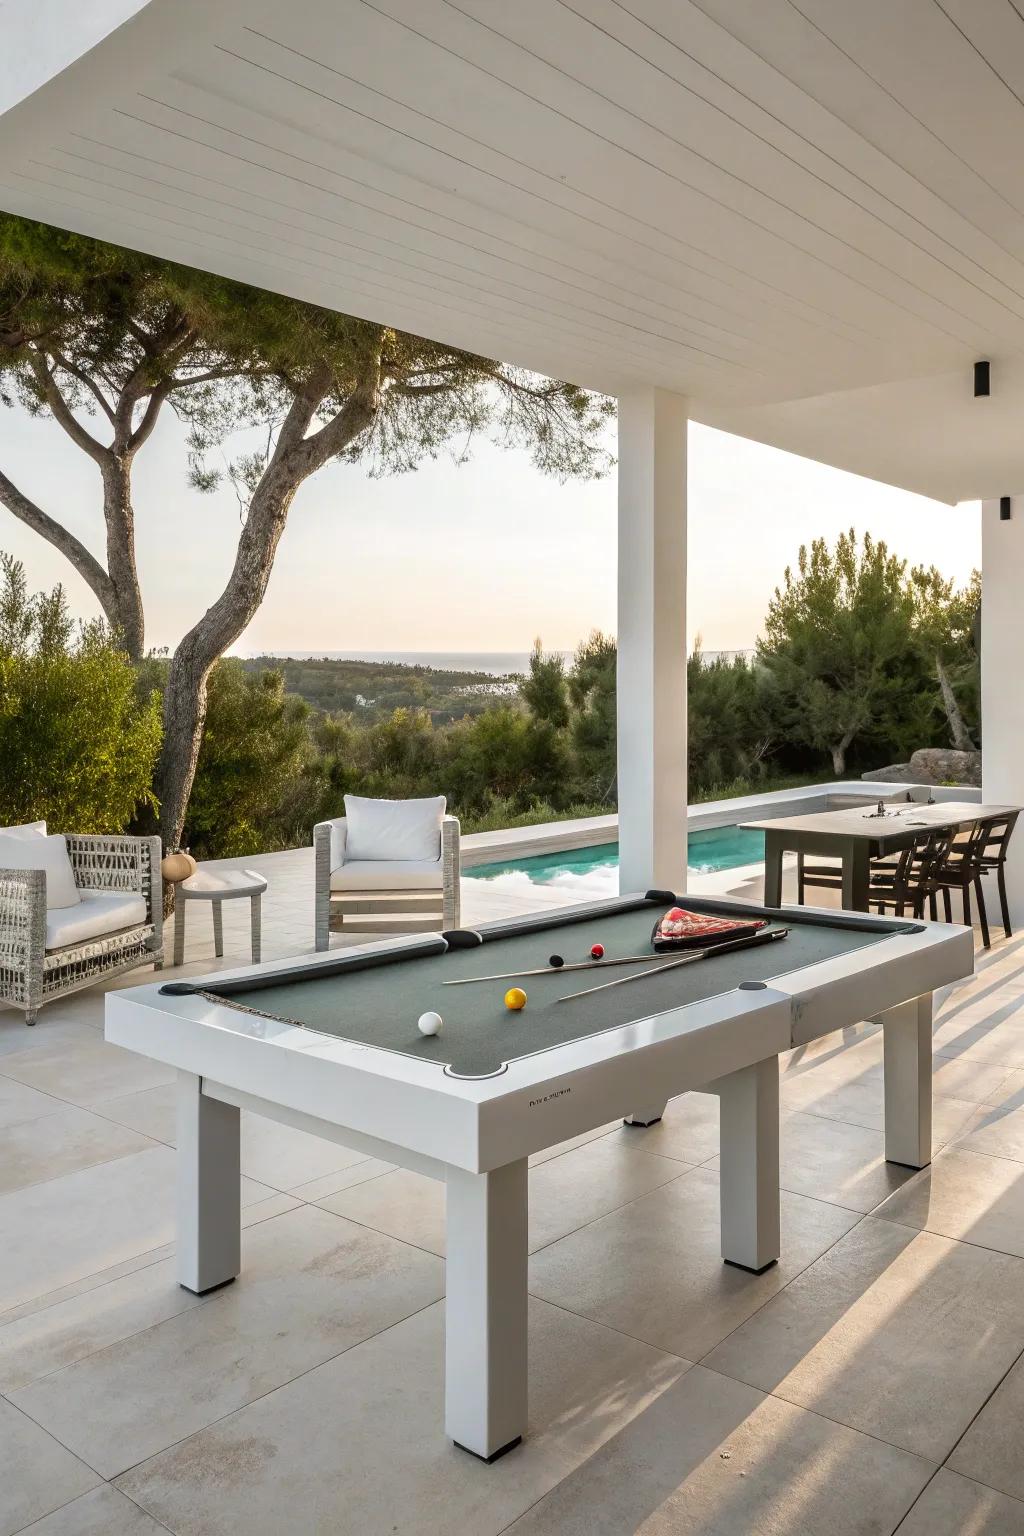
[(805, 215)]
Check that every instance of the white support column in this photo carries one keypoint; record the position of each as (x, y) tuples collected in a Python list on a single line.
[(652, 640), (209, 1188), (1002, 697)]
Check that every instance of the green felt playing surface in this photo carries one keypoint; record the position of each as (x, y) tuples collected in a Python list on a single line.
[(380, 1006)]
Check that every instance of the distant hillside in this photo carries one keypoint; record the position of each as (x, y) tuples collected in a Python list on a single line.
[(372, 689)]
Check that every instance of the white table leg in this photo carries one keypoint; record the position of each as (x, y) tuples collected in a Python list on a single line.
[(179, 928), (749, 1159), (218, 926), (649, 1116), (256, 925), (209, 1189), (907, 1031), (485, 1310)]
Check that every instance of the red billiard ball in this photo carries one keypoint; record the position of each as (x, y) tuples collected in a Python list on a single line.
[(597, 951)]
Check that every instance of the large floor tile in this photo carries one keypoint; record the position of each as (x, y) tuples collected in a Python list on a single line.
[(282, 1157), (654, 1269), (403, 1204), (899, 1333), (68, 1228), (104, 1512), (357, 1447), (862, 1103), (37, 1474), (16, 1038), (153, 1111), (835, 1161), (342, 1178), (711, 1457), (956, 1506), (83, 1069), (997, 1131), (964, 1195), (830, 1160), (992, 1032), (19, 1103), (976, 1081), (587, 1183), (71, 1329), (992, 1450), (565, 1193), (273, 1153), (1009, 1094), (687, 1131), (562, 1147), (36, 1150), (312, 1285)]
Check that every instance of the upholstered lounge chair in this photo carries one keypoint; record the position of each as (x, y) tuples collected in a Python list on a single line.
[(386, 866), (105, 918)]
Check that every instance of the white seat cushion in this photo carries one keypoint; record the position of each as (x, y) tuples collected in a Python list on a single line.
[(393, 829), (25, 829), (19, 850), (387, 875), (98, 913)]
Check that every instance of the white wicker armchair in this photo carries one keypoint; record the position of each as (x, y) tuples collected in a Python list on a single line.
[(31, 973), (389, 898)]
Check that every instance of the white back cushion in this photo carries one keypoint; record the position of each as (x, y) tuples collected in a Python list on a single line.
[(27, 829), (393, 829), (47, 853)]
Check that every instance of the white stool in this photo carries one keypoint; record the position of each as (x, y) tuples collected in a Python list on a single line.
[(217, 887)]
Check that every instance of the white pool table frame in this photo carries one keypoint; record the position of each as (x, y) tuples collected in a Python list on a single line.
[(476, 1135)]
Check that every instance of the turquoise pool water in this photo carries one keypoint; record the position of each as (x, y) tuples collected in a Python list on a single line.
[(715, 849)]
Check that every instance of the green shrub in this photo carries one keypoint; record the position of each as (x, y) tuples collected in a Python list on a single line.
[(250, 780), (77, 743)]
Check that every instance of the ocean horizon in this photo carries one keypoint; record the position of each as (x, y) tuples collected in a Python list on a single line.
[(495, 663)]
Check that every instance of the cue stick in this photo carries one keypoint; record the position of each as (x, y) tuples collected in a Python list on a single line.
[(671, 965), (552, 970)]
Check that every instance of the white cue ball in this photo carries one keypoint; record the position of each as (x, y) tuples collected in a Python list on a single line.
[(429, 1023)]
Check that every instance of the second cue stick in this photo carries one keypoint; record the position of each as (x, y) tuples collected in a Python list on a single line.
[(553, 970), (671, 965)]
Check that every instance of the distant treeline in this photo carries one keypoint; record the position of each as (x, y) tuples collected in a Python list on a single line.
[(861, 660), (373, 690)]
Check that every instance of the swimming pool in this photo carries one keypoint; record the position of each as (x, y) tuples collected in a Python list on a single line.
[(595, 870)]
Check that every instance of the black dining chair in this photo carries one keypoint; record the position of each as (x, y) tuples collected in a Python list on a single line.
[(829, 877), (913, 879), (999, 830), (961, 871)]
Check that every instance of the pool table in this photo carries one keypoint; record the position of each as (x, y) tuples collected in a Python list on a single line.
[(329, 1043)]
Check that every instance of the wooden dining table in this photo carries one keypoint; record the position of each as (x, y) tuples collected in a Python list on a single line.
[(857, 835)]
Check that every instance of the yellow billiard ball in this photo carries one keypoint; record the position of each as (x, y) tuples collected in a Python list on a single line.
[(515, 998)]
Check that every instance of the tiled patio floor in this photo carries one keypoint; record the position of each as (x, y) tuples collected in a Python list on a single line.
[(874, 1380)]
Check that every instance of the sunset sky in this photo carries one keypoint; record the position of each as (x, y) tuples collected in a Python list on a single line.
[(478, 558)]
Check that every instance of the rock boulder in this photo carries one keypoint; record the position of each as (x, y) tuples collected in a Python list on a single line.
[(931, 765)]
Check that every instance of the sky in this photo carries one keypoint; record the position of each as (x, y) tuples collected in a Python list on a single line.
[(481, 557)]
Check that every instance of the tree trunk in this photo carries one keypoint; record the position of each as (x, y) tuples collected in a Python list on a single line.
[(957, 725), (85, 563), (206, 642), (294, 459), (127, 614), (839, 751)]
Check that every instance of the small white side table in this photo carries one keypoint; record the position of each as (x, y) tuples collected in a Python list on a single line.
[(217, 887)]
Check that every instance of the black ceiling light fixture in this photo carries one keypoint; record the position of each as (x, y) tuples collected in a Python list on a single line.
[(982, 381)]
